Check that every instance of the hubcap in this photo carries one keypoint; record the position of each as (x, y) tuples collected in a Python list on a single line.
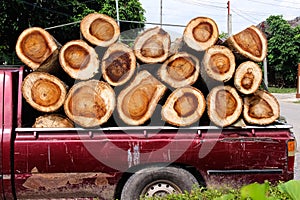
[(160, 188)]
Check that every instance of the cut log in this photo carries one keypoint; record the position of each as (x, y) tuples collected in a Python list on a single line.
[(180, 70), (201, 33), (251, 43), (53, 121), (261, 108), (37, 49), (79, 60), (224, 105), (99, 29), (248, 77), (137, 102), (152, 46), (118, 64), (44, 92), (90, 103), (176, 46), (219, 63), (184, 106)]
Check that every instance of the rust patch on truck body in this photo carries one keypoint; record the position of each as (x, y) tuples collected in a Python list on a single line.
[(66, 185), (58, 180)]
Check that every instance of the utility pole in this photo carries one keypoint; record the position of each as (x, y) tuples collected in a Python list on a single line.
[(266, 73), (298, 83), (161, 13), (117, 10), (229, 20)]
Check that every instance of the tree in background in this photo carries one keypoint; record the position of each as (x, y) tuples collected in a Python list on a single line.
[(17, 15), (223, 36), (283, 51)]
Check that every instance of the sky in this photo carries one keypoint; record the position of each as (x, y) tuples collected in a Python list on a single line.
[(244, 13)]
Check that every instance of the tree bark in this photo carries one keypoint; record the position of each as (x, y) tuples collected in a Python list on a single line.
[(201, 33), (118, 64), (184, 106), (90, 103), (176, 46), (152, 46), (219, 63), (248, 77), (137, 102), (261, 108), (44, 92), (224, 105), (53, 121), (37, 49), (251, 43), (180, 70), (99, 29), (79, 60)]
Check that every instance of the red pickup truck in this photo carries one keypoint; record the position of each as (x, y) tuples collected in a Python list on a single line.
[(126, 162)]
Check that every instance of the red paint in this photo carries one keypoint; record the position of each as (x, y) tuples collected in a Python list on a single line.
[(231, 155)]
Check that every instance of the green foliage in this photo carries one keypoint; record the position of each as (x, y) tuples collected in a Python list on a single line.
[(291, 188), (17, 15), (283, 51), (223, 36), (129, 10), (255, 191), (202, 194), (225, 197)]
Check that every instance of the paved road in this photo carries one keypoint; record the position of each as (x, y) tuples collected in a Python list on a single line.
[(291, 111)]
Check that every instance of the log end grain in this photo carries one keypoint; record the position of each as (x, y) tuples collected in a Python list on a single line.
[(201, 33), (248, 77), (261, 108), (79, 60), (219, 63), (152, 46), (34, 46), (184, 106), (44, 92), (53, 121), (180, 70), (224, 105), (118, 64), (250, 43), (137, 102), (99, 29), (90, 103)]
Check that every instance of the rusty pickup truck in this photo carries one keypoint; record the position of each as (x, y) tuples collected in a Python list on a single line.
[(115, 162)]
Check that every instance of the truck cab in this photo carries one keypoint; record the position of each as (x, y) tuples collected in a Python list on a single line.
[(114, 162)]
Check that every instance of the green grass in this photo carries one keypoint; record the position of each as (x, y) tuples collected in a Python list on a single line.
[(282, 90)]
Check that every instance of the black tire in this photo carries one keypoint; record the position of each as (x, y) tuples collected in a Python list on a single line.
[(157, 181)]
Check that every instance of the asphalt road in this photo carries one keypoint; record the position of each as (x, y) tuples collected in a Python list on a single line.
[(291, 111)]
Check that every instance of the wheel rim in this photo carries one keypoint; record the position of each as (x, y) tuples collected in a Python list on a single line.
[(160, 188)]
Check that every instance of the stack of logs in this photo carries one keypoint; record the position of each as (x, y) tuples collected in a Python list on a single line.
[(133, 80)]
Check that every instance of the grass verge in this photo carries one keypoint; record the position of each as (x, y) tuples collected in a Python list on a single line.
[(282, 90), (255, 191)]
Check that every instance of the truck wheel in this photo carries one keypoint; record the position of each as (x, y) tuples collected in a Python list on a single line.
[(157, 181)]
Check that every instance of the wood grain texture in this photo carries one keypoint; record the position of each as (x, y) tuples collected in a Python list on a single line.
[(90, 103), (201, 33)]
